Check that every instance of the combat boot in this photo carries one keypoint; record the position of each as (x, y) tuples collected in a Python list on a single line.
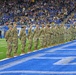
[(29, 50), (9, 56), (15, 54), (23, 52)]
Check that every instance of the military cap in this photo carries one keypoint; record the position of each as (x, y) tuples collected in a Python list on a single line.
[(11, 23), (9, 26), (23, 26), (14, 23), (48, 25)]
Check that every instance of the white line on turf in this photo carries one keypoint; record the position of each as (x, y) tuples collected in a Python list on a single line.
[(54, 57), (61, 47), (4, 59), (19, 55), (29, 58), (35, 51), (64, 61), (68, 49), (38, 72), (19, 61)]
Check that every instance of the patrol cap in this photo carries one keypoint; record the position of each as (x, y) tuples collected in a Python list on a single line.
[(48, 25), (14, 23), (23, 26), (43, 25), (9, 26), (11, 23)]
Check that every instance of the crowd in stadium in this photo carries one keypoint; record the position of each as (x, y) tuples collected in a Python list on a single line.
[(72, 19), (41, 11)]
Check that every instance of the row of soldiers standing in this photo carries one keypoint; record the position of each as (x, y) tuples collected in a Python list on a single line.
[(45, 36)]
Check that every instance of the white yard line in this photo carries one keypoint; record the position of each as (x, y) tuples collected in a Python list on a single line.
[(38, 72), (4, 59), (19, 61), (54, 57), (61, 47), (30, 57), (68, 49), (64, 61)]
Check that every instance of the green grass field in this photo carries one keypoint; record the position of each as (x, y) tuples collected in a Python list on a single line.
[(3, 48)]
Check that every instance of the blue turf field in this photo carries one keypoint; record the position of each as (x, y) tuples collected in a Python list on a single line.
[(56, 60)]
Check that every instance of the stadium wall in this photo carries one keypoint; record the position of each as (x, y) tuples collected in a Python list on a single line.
[(3, 30)]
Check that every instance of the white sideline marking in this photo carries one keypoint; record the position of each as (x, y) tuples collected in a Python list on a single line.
[(67, 49), (54, 57), (29, 58), (73, 63), (19, 61), (64, 61), (38, 72), (61, 47), (4, 59), (19, 55)]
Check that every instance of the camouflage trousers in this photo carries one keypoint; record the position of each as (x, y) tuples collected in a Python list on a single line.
[(61, 38), (74, 36), (9, 45), (30, 44), (67, 37), (15, 45), (23, 44), (36, 40), (42, 41), (52, 39), (47, 38)]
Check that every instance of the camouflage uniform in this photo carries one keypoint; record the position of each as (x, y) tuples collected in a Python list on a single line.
[(74, 32), (71, 33), (36, 36), (61, 33), (15, 39), (55, 35), (65, 34), (30, 38), (52, 35), (23, 39), (47, 35), (8, 37), (42, 36)]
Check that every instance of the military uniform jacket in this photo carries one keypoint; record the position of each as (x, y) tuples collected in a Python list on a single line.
[(36, 32), (42, 32), (30, 34), (23, 35), (8, 35), (15, 33)]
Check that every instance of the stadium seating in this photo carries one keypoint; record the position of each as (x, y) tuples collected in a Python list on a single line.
[(43, 11), (72, 19)]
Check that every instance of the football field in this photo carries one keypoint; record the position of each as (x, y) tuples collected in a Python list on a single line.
[(55, 60), (3, 48)]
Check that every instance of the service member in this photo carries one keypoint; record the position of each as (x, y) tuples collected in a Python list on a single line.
[(23, 38), (36, 36), (8, 37), (15, 38), (30, 38)]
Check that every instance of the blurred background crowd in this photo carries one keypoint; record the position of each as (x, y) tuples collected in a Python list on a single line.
[(27, 12)]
